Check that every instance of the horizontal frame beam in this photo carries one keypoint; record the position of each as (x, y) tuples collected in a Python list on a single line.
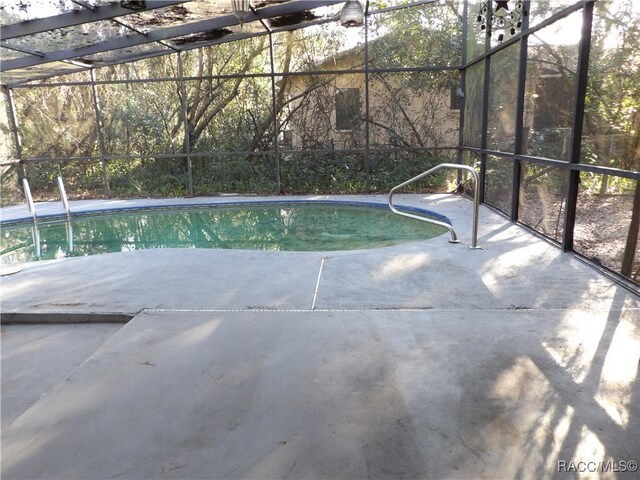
[(581, 167), (247, 75), (535, 160), (96, 158), (20, 49)]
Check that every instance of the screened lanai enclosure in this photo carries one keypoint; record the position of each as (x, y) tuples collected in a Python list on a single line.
[(190, 98)]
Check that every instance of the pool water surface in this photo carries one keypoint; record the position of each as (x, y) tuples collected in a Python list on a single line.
[(276, 226)]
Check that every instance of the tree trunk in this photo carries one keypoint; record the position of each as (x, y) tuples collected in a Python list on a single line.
[(263, 126)]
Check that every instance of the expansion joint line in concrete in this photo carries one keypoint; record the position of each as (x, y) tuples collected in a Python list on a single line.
[(369, 310), (278, 310)]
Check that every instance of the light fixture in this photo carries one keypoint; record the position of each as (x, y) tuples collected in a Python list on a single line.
[(241, 9), (500, 18), (352, 14), (133, 4)]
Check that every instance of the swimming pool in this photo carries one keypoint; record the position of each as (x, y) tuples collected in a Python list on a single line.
[(275, 225)]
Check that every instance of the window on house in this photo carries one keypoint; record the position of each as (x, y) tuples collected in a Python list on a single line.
[(347, 108)]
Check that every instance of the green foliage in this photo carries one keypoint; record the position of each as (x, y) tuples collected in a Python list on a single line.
[(322, 173), (391, 168), (147, 177), (235, 173), (141, 118), (57, 122), (82, 179), (499, 182), (418, 36)]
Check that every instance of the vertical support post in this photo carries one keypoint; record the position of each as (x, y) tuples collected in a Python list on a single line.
[(274, 103), (485, 125), (185, 120), (98, 113), (485, 109), (463, 86), (367, 138), (576, 128), (13, 118), (519, 140)]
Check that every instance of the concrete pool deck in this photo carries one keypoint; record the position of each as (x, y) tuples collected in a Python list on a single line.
[(424, 360)]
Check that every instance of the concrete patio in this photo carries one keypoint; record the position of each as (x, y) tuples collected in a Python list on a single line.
[(424, 360)]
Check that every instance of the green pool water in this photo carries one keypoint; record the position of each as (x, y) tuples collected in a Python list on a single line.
[(257, 227)]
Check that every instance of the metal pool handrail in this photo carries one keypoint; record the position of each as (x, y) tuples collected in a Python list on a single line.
[(476, 202), (63, 196), (29, 197)]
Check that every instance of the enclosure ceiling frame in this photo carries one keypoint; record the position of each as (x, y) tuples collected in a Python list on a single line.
[(114, 10), (165, 34), (137, 57), (257, 15)]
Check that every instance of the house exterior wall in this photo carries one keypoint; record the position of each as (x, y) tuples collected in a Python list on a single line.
[(406, 110)]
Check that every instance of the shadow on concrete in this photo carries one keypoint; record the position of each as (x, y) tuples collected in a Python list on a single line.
[(559, 402)]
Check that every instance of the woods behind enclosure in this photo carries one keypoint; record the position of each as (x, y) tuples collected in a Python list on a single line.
[(319, 110)]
